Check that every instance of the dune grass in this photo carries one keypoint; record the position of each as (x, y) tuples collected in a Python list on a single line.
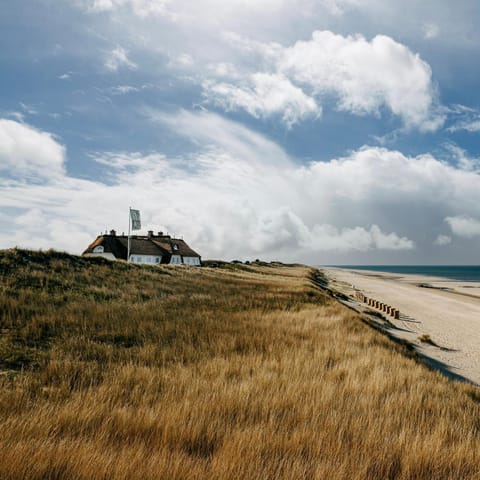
[(115, 371)]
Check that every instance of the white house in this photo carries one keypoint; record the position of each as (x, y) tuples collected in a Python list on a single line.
[(150, 249)]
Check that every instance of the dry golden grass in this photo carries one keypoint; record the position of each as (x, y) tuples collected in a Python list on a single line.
[(122, 372)]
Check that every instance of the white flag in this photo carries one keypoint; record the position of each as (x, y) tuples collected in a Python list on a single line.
[(135, 216)]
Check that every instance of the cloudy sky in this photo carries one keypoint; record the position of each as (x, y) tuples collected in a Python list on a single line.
[(321, 131)]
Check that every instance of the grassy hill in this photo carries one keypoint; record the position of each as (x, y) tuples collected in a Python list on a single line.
[(117, 371)]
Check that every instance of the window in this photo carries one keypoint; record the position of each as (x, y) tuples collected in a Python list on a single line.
[(175, 246), (98, 249), (157, 260)]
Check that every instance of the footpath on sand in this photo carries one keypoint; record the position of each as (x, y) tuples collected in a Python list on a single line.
[(440, 316)]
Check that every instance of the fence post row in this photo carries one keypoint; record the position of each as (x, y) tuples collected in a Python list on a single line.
[(394, 312)]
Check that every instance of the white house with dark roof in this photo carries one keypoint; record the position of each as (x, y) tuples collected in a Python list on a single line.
[(150, 249)]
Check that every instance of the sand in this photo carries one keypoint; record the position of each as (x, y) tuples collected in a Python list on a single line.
[(448, 312)]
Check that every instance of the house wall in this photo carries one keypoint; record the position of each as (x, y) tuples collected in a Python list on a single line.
[(195, 261), (155, 260), (145, 259), (179, 260), (176, 260)]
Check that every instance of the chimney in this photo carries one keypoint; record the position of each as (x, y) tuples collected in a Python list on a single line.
[(150, 233), (113, 233), (160, 234)]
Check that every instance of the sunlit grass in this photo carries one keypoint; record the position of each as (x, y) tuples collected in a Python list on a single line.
[(114, 371)]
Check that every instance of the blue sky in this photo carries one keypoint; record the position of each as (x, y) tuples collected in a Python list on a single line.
[(321, 131)]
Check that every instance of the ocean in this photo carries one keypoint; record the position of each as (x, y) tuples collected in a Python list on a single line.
[(466, 273)]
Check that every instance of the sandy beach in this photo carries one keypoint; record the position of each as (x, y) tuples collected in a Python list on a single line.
[(448, 311)]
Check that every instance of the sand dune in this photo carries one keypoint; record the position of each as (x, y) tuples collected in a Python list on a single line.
[(446, 310)]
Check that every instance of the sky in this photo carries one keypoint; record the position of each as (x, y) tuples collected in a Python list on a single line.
[(314, 131)]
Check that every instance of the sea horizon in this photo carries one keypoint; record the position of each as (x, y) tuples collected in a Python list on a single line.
[(466, 273)]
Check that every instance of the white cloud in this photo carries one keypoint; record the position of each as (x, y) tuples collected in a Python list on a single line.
[(198, 23), (407, 19), (430, 30), (328, 237), (142, 8), (363, 77), (223, 11), (442, 240), (118, 58), (18, 116), (223, 70), (264, 96), (26, 151), (124, 89), (461, 157), (206, 129), (390, 241), (283, 229), (28, 109), (238, 194), (467, 125), (184, 60), (101, 5), (339, 7), (464, 226), (464, 118)]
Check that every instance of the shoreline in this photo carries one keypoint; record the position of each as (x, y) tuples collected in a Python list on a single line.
[(441, 310), (469, 288), (423, 274)]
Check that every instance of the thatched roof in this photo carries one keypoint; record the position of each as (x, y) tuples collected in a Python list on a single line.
[(142, 246), (175, 246), (155, 245)]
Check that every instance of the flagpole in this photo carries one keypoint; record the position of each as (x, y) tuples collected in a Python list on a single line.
[(128, 243)]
